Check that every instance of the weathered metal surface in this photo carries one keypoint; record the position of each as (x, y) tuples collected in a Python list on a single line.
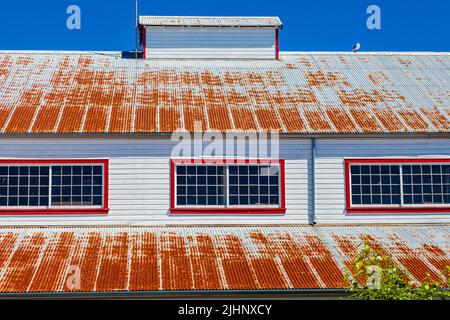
[(98, 259), (193, 21), (79, 92)]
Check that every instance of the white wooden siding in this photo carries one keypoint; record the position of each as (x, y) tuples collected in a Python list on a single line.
[(176, 42), (330, 177), (139, 181)]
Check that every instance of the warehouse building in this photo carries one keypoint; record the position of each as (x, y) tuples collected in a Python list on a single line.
[(107, 171)]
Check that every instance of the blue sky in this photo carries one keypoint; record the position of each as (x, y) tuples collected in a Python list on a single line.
[(313, 25)]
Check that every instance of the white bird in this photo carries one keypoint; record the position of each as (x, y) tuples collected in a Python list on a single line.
[(356, 47)]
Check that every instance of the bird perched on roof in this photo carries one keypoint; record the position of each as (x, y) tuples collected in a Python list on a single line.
[(356, 47)]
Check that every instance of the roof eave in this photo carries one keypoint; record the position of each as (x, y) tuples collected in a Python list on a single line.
[(211, 294), (283, 135)]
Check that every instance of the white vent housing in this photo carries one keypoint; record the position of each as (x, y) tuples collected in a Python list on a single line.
[(210, 37)]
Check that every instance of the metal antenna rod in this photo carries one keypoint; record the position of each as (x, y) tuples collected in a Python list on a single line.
[(136, 28)]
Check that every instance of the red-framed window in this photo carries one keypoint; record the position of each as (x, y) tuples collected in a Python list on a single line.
[(53, 186), (417, 185), (206, 186)]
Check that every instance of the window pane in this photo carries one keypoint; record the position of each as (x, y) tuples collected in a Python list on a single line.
[(247, 185), (375, 184), (425, 185), (254, 185), (22, 185), (203, 185), (80, 185)]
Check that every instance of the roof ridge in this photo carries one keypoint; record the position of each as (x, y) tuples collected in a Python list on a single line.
[(360, 53), (286, 53)]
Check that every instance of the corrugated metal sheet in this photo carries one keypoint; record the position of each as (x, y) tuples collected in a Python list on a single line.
[(207, 258), (81, 92), (193, 21)]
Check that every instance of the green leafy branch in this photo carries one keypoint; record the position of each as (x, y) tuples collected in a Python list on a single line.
[(375, 276)]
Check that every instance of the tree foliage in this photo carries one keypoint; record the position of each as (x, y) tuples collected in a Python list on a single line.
[(375, 276)]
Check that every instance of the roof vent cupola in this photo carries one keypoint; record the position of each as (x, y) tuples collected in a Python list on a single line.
[(210, 37)]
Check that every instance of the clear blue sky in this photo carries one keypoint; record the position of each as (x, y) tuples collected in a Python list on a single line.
[(319, 25)]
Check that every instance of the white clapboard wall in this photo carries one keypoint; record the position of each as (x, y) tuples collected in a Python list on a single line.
[(211, 42), (330, 176), (139, 179)]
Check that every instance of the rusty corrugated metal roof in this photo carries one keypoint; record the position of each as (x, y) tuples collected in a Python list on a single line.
[(207, 257), (303, 93), (209, 21)]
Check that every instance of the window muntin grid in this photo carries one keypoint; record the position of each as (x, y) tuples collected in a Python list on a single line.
[(254, 185), (231, 185), (77, 185), (25, 186), (425, 184), (200, 185), (409, 184), (375, 184)]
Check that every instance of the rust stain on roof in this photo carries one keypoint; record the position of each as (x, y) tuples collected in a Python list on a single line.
[(48, 114), (330, 79), (341, 120), (412, 118), (169, 119), (379, 78), (292, 119), (122, 109), (25, 109), (436, 118), (54, 263), (74, 109), (243, 119), (204, 261), (6, 63), (349, 248), (207, 78), (144, 262), (267, 119), (317, 119), (175, 263), (102, 93), (325, 265), (192, 117), (389, 119), (389, 96), (415, 266), (357, 97), (145, 120), (405, 62), (205, 258), (113, 264), (436, 256), (19, 273), (365, 119), (7, 244), (4, 114), (85, 258)]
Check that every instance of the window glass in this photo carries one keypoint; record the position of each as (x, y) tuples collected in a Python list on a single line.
[(254, 185), (400, 184), (375, 184), (77, 185), (426, 184), (229, 185), (51, 185), (23, 186), (200, 185)]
